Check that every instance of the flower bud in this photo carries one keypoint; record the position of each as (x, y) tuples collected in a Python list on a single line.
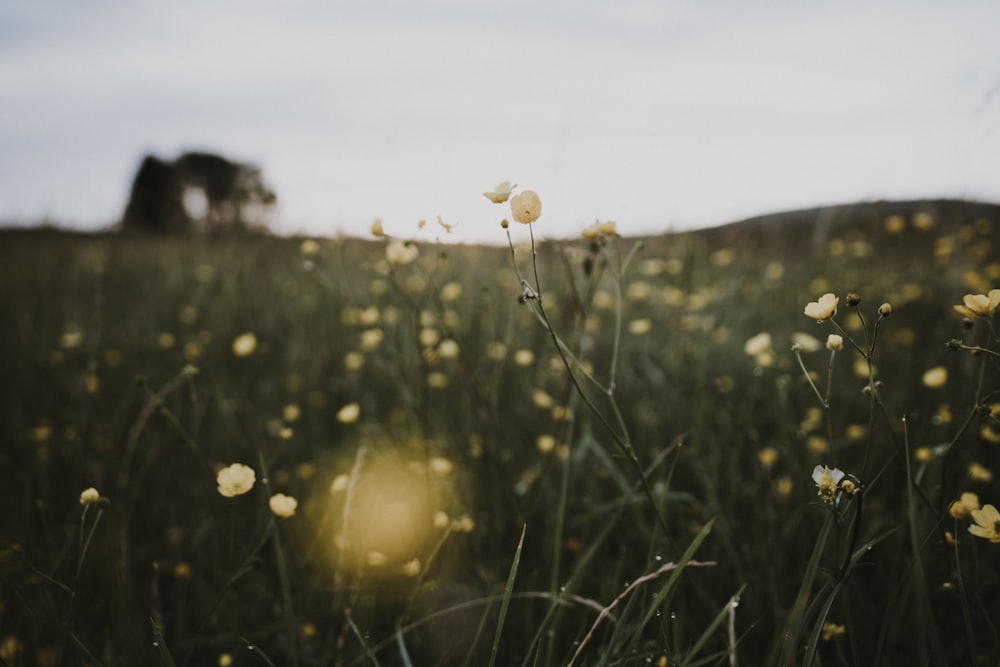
[(885, 310), (853, 299)]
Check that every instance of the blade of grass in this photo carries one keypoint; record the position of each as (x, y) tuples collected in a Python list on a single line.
[(404, 655), (722, 615), (682, 563), (505, 602)]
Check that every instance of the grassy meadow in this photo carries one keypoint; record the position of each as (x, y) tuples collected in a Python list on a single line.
[(602, 453)]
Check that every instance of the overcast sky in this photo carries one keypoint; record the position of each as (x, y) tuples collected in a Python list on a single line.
[(658, 114)]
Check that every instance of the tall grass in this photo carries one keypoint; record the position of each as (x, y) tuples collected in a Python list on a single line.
[(595, 403)]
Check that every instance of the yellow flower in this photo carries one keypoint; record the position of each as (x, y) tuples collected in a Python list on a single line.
[(607, 228), (291, 412), (823, 309), (401, 252), (524, 357), (309, 248), (283, 506), (235, 480), (440, 465), (987, 524), (767, 456), (340, 483), (979, 473), (464, 524), (640, 327), (441, 520), (805, 342), (759, 347), (89, 496), (935, 377), (349, 413), (500, 193), (827, 481), (377, 230), (835, 342), (70, 339), (377, 559), (526, 207), (962, 508), (545, 443), (758, 344), (831, 630), (447, 227), (245, 344), (411, 568), (980, 305)]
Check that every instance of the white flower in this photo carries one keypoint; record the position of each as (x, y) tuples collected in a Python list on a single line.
[(935, 377), (401, 252), (805, 342), (758, 344), (979, 305), (827, 481), (89, 496), (500, 193), (834, 342), (283, 506), (245, 344), (235, 480), (349, 413), (823, 309), (526, 207)]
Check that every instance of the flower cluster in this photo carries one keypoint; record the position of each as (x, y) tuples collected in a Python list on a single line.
[(524, 208)]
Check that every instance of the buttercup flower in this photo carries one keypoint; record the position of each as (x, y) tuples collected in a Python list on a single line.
[(758, 344), (805, 342), (401, 252), (309, 248), (987, 524), (963, 507), (607, 228), (89, 496), (823, 309), (827, 481), (235, 480), (835, 342), (526, 207), (349, 413), (376, 228), (759, 347), (831, 630), (411, 568), (980, 305), (500, 193), (935, 377), (245, 344), (283, 506)]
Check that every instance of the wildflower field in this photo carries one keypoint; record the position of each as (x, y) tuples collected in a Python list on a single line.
[(770, 443)]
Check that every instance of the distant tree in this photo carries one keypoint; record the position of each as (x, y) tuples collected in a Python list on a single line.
[(197, 192)]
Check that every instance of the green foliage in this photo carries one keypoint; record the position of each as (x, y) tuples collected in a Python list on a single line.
[(598, 400)]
